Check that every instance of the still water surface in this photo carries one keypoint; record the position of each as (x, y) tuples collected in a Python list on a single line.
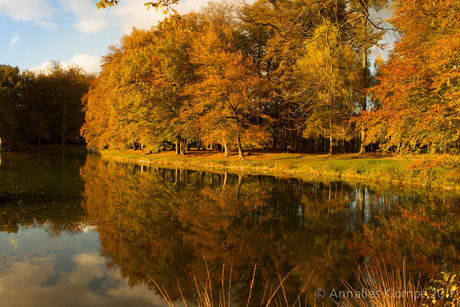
[(80, 231)]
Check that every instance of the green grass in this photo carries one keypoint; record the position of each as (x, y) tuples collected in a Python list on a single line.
[(374, 167)]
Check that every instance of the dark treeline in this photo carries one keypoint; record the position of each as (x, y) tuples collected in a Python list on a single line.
[(41, 108), (286, 75)]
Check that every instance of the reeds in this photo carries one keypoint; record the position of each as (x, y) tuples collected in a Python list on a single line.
[(204, 297), (380, 286)]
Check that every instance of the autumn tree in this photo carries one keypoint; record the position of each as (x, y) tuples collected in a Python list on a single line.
[(117, 115), (418, 91), (287, 23), (292, 25), (227, 96), (367, 32), (326, 74), (136, 100)]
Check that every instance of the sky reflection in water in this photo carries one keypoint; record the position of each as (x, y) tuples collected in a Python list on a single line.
[(36, 270)]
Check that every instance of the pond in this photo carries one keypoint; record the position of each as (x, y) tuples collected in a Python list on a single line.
[(82, 231)]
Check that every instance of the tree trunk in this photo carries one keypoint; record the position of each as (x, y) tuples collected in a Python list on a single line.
[(363, 101), (225, 149), (177, 146), (285, 140), (182, 146), (363, 141), (331, 141), (274, 137), (240, 148), (331, 144)]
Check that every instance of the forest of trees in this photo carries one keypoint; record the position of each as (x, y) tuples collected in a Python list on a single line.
[(292, 75), (41, 108), (285, 75)]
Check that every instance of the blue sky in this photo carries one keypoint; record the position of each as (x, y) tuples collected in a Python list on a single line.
[(36, 32)]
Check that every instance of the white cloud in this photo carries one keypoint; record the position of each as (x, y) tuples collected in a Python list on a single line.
[(90, 19), (38, 11), (43, 67), (91, 64), (37, 283), (132, 13), (90, 25), (14, 40), (46, 24)]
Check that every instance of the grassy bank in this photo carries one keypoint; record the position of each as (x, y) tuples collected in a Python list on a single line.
[(371, 167)]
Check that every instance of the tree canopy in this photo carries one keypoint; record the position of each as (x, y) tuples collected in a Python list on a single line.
[(290, 75), (280, 74), (417, 97)]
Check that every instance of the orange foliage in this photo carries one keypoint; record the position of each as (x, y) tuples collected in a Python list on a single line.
[(419, 87)]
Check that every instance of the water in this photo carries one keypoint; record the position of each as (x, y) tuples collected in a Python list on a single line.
[(80, 231)]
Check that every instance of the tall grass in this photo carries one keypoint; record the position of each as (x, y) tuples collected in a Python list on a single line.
[(204, 290), (378, 286), (381, 286)]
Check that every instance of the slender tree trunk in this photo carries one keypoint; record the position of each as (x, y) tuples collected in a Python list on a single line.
[(240, 148), (225, 149), (315, 137), (331, 144), (331, 141), (285, 140), (182, 146), (364, 98), (177, 146)]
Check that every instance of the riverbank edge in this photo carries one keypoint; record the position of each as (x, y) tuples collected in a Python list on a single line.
[(375, 168)]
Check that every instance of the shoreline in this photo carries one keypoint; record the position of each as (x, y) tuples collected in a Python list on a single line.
[(390, 169)]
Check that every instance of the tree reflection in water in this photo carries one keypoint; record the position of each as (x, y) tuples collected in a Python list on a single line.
[(172, 224)]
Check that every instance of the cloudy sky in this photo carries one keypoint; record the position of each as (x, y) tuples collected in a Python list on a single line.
[(35, 32)]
